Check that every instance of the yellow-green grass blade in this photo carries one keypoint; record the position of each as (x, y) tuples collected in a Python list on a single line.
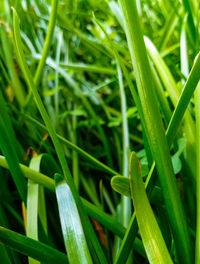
[(74, 238), (152, 238)]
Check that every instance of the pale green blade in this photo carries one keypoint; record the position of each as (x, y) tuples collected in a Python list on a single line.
[(73, 234)]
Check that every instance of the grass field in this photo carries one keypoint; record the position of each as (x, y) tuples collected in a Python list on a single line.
[(99, 131)]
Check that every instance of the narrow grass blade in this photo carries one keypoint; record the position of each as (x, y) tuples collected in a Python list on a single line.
[(32, 213), (8, 149), (184, 100), (16, 84), (88, 68), (153, 241), (35, 204), (32, 248), (47, 44), (197, 112), (79, 150), (73, 234)]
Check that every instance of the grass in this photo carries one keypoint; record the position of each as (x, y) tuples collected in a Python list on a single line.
[(97, 98)]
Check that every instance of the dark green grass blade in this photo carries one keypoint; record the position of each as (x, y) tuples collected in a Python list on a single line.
[(8, 149), (30, 247)]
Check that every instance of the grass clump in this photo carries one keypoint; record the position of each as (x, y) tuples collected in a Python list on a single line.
[(84, 84)]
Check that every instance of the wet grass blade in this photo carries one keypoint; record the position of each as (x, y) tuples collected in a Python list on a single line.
[(74, 238)]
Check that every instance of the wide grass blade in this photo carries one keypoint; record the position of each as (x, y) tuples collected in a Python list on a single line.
[(152, 238), (74, 238)]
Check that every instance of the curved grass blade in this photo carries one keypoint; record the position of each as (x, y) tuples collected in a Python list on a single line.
[(47, 44), (74, 238), (31, 247), (121, 185), (152, 238)]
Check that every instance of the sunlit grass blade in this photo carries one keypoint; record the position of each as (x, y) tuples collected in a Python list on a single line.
[(152, 238), (74, 238)]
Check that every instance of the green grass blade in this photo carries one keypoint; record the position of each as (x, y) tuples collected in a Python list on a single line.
[(32, 248), (197, 112), (121, 185), (155, 134), (47, 44), (8, 149), (32, 213), (88, 68), (153, 241), (73, 234), (184, 100), (16, 84), (35, 204)]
